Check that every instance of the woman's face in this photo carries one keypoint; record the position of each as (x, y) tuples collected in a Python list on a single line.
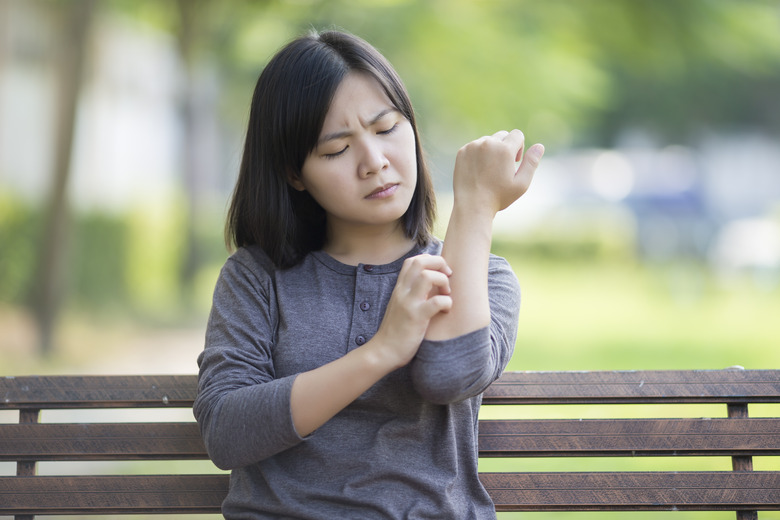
[(363, 170)]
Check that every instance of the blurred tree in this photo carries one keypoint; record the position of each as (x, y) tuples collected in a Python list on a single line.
[(49, 280), (680, 68), (204, 32), (577, 73), (192, 18), (567, 72)]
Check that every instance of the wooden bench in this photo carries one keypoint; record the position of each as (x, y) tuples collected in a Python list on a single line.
[(516, 441)]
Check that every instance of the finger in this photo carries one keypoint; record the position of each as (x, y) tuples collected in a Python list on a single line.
[(430, 282), (530, 162), (500, 135), (516, 140), (435, 305), (532, 158), (418, 263), (439, 282)]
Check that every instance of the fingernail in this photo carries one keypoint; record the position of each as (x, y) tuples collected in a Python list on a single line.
[(537, 150)]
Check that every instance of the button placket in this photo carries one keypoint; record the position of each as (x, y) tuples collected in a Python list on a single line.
[(363, 317)]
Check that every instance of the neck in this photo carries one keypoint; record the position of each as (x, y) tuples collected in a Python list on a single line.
[(367, 245)]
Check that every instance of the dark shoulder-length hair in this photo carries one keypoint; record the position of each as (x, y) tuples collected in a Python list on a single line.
[(289, 104)]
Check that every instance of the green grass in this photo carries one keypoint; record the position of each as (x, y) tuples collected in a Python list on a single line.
[(621, 316), (584, 315)]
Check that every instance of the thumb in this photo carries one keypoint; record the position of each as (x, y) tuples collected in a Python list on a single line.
[(531, 159)]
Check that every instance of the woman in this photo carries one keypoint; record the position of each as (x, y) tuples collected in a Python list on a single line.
[(347, 348)]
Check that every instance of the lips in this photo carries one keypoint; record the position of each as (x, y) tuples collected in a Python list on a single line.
[(383, 191)]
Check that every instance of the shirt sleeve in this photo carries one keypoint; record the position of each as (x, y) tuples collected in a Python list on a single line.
[(449, 371), (242, 409)]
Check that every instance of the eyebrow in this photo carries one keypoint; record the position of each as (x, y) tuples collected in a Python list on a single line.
[(346, 133)]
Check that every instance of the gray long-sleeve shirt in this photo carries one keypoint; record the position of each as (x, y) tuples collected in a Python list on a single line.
[(405, 449)]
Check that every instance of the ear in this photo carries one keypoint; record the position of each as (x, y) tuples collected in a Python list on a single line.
[(295, 181)]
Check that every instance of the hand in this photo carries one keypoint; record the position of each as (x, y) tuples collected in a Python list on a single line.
[(421, 292), (487, 177)]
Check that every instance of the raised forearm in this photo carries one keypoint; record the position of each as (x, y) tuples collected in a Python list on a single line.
[(485, 181), (467, 250)]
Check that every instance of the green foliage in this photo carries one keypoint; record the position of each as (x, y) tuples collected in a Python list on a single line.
[(567, 73), (20, 224), (573, 72), (125, 263), (154, 257), (99, 260)]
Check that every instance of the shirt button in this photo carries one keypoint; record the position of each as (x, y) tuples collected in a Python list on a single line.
[(360, 340), (368, 268), (364, 306)]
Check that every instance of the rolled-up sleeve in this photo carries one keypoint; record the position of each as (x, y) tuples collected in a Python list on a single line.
[(449, 371), (243, 411)]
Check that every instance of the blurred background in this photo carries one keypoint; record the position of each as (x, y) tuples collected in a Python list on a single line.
[(649, 239)]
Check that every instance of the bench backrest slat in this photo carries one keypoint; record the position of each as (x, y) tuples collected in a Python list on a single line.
[(640, 491), (510, 491), (700, 386), (55, 392), (629, 437), (128, 441), (518, 438), (683, 386), (141, 494)]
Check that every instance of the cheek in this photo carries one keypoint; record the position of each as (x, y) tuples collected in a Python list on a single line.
[(408, 145), (325, 186)]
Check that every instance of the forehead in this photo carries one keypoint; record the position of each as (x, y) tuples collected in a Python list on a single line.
[(358, 96)]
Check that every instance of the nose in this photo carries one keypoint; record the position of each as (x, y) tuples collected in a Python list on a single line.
[(372, 158)]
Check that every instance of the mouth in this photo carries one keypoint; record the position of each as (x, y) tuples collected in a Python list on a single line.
[(383, 191)]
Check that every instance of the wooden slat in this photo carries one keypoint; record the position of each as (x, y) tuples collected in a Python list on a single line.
[(668, 386), (702, 386), (47, 392), (629, 437), (131, 441), (137, 494), (704, 491), (497, 438), (145, 494)]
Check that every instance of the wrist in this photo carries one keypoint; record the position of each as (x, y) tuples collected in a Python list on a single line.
[(472, 206), (471, 223), (379, 359)]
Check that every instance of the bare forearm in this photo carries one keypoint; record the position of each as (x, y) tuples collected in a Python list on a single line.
[(485, 181), (466, 250), (321, 393)]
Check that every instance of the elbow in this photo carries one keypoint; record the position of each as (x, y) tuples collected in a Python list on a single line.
[(218, 451), (221, 459), (221, 453), (446, 372), (443, 386)]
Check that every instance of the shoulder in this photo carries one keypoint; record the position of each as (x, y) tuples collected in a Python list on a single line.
[(252, 258), (248, 266)]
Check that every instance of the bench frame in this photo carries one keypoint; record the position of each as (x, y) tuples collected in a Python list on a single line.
[(735, 435)]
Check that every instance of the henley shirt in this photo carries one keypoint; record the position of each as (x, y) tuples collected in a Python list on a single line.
[(405, 449)]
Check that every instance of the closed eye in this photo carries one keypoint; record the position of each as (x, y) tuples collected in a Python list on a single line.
[(336, 154), (389, 130)]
